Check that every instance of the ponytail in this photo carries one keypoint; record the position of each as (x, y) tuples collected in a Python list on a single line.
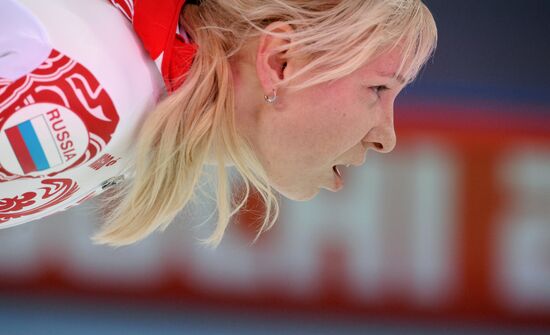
[(198, 119), (174, 144)]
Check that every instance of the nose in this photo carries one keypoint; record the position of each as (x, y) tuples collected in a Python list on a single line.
[(382, 136)]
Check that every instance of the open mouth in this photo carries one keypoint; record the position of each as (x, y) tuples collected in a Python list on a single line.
[(337, 171), (338, 182)]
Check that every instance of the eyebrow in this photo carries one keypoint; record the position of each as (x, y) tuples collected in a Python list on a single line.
[(399, 78)]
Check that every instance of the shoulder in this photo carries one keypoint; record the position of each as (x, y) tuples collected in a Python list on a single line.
[(68, 118)]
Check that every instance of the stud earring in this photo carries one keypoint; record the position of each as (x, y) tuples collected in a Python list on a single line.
[(271, 99)]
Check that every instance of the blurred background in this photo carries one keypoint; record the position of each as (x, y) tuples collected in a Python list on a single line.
[(449, 233)]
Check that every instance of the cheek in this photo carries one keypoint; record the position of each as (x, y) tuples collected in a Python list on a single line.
[(344, 119), (343, 122), (323, 125), (319, 126)]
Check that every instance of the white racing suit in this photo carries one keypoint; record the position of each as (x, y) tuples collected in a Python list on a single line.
[(75, 84)]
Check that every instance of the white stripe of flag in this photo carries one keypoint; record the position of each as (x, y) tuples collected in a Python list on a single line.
[(47, 141)]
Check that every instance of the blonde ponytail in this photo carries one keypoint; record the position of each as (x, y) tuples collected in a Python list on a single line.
[(197, 120), (172, 148)]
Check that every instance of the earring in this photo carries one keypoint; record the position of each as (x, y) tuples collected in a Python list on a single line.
[(272, 99)]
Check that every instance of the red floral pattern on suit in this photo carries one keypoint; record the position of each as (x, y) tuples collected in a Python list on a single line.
[(54, 191), (66, 102)]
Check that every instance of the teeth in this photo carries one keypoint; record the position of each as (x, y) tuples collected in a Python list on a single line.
[(335, 168)]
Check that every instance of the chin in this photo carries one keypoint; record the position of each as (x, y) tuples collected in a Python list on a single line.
[(303, 195)]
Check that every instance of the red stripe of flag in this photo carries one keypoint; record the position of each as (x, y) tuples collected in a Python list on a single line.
[(20, 149)]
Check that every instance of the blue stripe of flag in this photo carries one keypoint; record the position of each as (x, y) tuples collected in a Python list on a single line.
[(33, 145)]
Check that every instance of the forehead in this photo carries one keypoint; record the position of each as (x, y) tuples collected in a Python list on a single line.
[(386, 63)]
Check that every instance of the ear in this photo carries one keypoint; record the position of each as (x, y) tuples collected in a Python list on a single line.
[(271, 66)]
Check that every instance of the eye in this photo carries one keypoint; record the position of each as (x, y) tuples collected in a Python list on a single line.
[(379, 88)]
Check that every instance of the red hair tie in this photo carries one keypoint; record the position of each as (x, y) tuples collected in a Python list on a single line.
[(156, 24)]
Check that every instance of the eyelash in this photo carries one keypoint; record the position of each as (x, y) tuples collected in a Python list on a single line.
[(379, 88)]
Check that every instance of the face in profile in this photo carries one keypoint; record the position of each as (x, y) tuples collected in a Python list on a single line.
[(307, 133)]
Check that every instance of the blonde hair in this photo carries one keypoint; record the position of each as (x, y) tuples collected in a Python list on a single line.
[(336, 37)]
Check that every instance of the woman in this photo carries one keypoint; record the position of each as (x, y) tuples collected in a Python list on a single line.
[(286, 91)]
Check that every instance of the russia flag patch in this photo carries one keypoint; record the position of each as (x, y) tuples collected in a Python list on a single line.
[(34, 145)]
